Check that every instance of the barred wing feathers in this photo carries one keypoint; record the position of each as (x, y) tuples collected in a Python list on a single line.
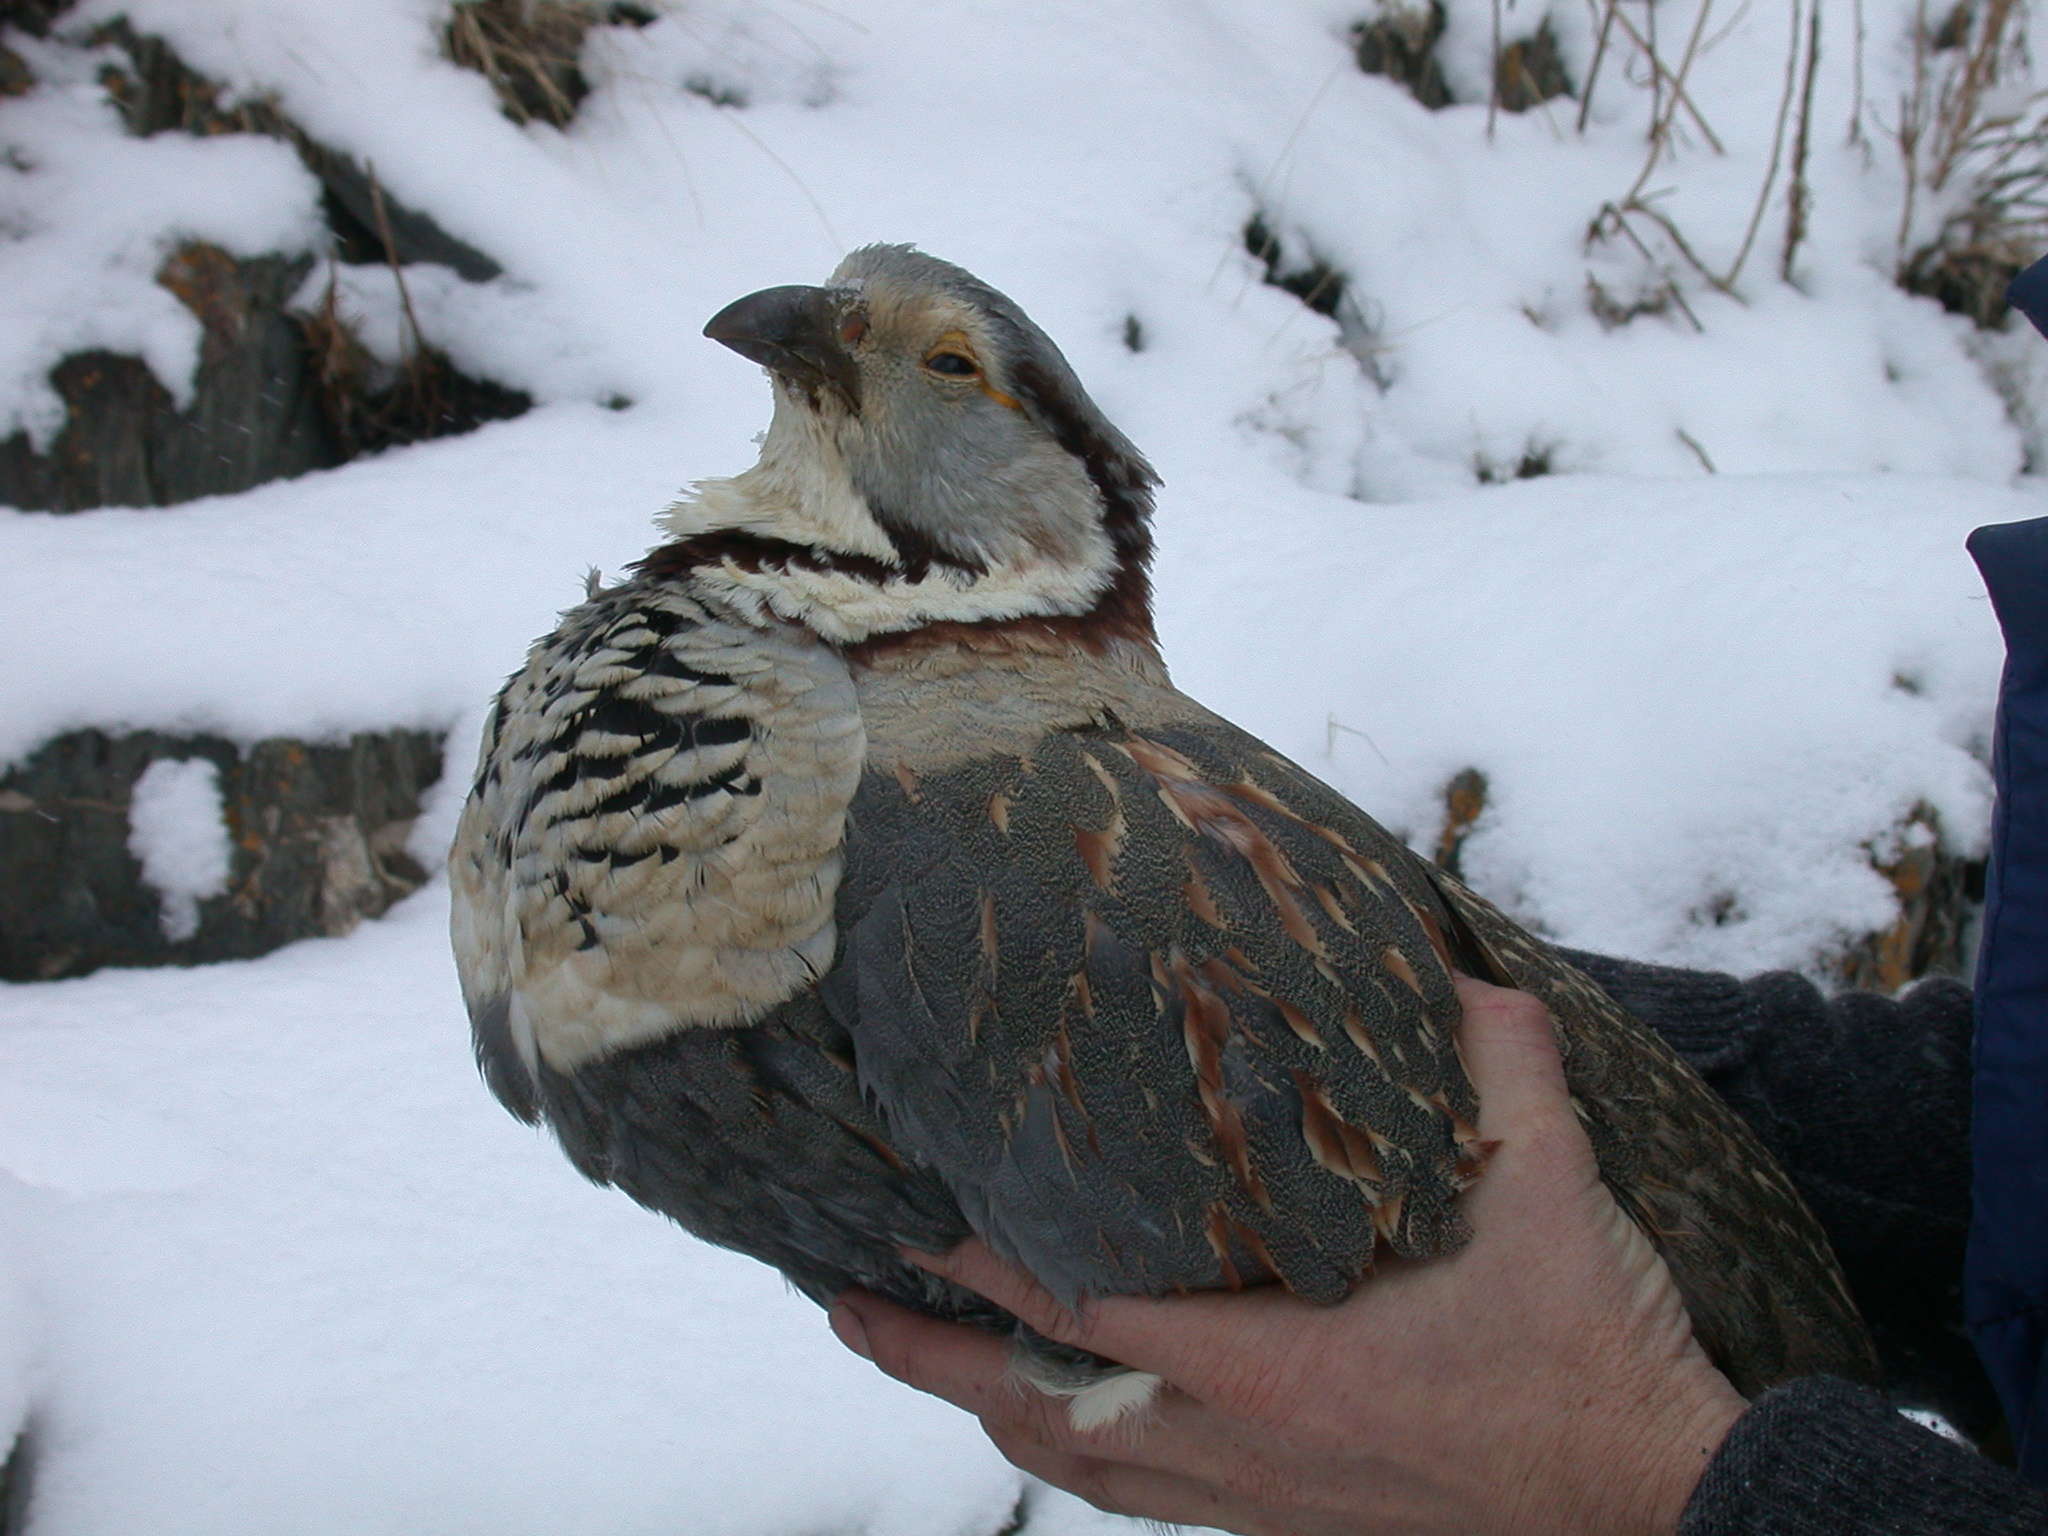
[(653, 838)]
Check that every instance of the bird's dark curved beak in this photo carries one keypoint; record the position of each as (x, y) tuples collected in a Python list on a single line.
[(795, 332)]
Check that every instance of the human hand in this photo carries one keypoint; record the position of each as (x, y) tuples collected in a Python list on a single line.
[(1543, 1379)]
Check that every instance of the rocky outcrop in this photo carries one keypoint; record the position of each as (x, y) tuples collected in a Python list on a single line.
[(316, 832), (255, 414), (276, 392), (311, 835), (157, 92)]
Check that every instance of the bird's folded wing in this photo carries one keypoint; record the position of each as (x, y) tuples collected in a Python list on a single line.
[(1162, 1009)]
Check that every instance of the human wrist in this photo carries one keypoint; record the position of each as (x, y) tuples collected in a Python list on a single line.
[(1631, 1470), (1676, 1443)]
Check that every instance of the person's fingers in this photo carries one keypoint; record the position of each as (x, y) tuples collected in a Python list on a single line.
[(970, 1369), (1243, 1349), (1138, 1333), (1509, 1048), (967, 1366)]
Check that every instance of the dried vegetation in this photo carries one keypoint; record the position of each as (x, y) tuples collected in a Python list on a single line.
[(1972, 137), (531, 50)]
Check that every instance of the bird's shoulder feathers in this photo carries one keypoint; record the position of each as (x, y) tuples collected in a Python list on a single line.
[(652, 839)]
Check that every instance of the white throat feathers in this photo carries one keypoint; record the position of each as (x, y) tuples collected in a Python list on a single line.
[(1050, 554)]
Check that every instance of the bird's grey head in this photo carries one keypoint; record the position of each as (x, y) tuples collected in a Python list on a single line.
[(927, 432)]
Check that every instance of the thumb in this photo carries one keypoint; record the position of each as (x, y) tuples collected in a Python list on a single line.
[(1509, 1046)]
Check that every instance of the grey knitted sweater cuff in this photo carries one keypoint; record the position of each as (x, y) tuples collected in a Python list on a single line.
[(1822, 1458)]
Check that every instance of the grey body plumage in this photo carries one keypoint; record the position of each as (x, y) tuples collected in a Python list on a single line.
[(851, 876)]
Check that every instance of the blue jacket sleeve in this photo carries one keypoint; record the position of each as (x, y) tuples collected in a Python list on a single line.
[(2005, 1278)]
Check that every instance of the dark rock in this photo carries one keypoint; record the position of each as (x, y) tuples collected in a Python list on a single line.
[(32, 16), (318, 834), (158, 93), (1953, 30), (276, 393), (255, 413), (368, 408), (349, 201), (1400, 43), (1322, 286), (1534, 463), (1530, 71), (16, 1475)]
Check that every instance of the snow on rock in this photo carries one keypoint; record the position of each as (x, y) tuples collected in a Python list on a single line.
[(90, 213), (177, 829)]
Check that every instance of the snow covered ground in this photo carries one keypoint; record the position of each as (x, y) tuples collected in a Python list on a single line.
[(271, 1260)]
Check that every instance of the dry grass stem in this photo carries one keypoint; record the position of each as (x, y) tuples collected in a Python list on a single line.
[(1798, 195), (1856, 78), (1599, 55), (1493, 92), (1763, 197), (1660, 74), (1649, 46), (417, 340), (527, 49), (1660, 127)]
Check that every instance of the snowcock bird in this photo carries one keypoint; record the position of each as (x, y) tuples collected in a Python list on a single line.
[(851, 877)]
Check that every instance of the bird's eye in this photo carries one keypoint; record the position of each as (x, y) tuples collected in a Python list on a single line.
[(953, 364)]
